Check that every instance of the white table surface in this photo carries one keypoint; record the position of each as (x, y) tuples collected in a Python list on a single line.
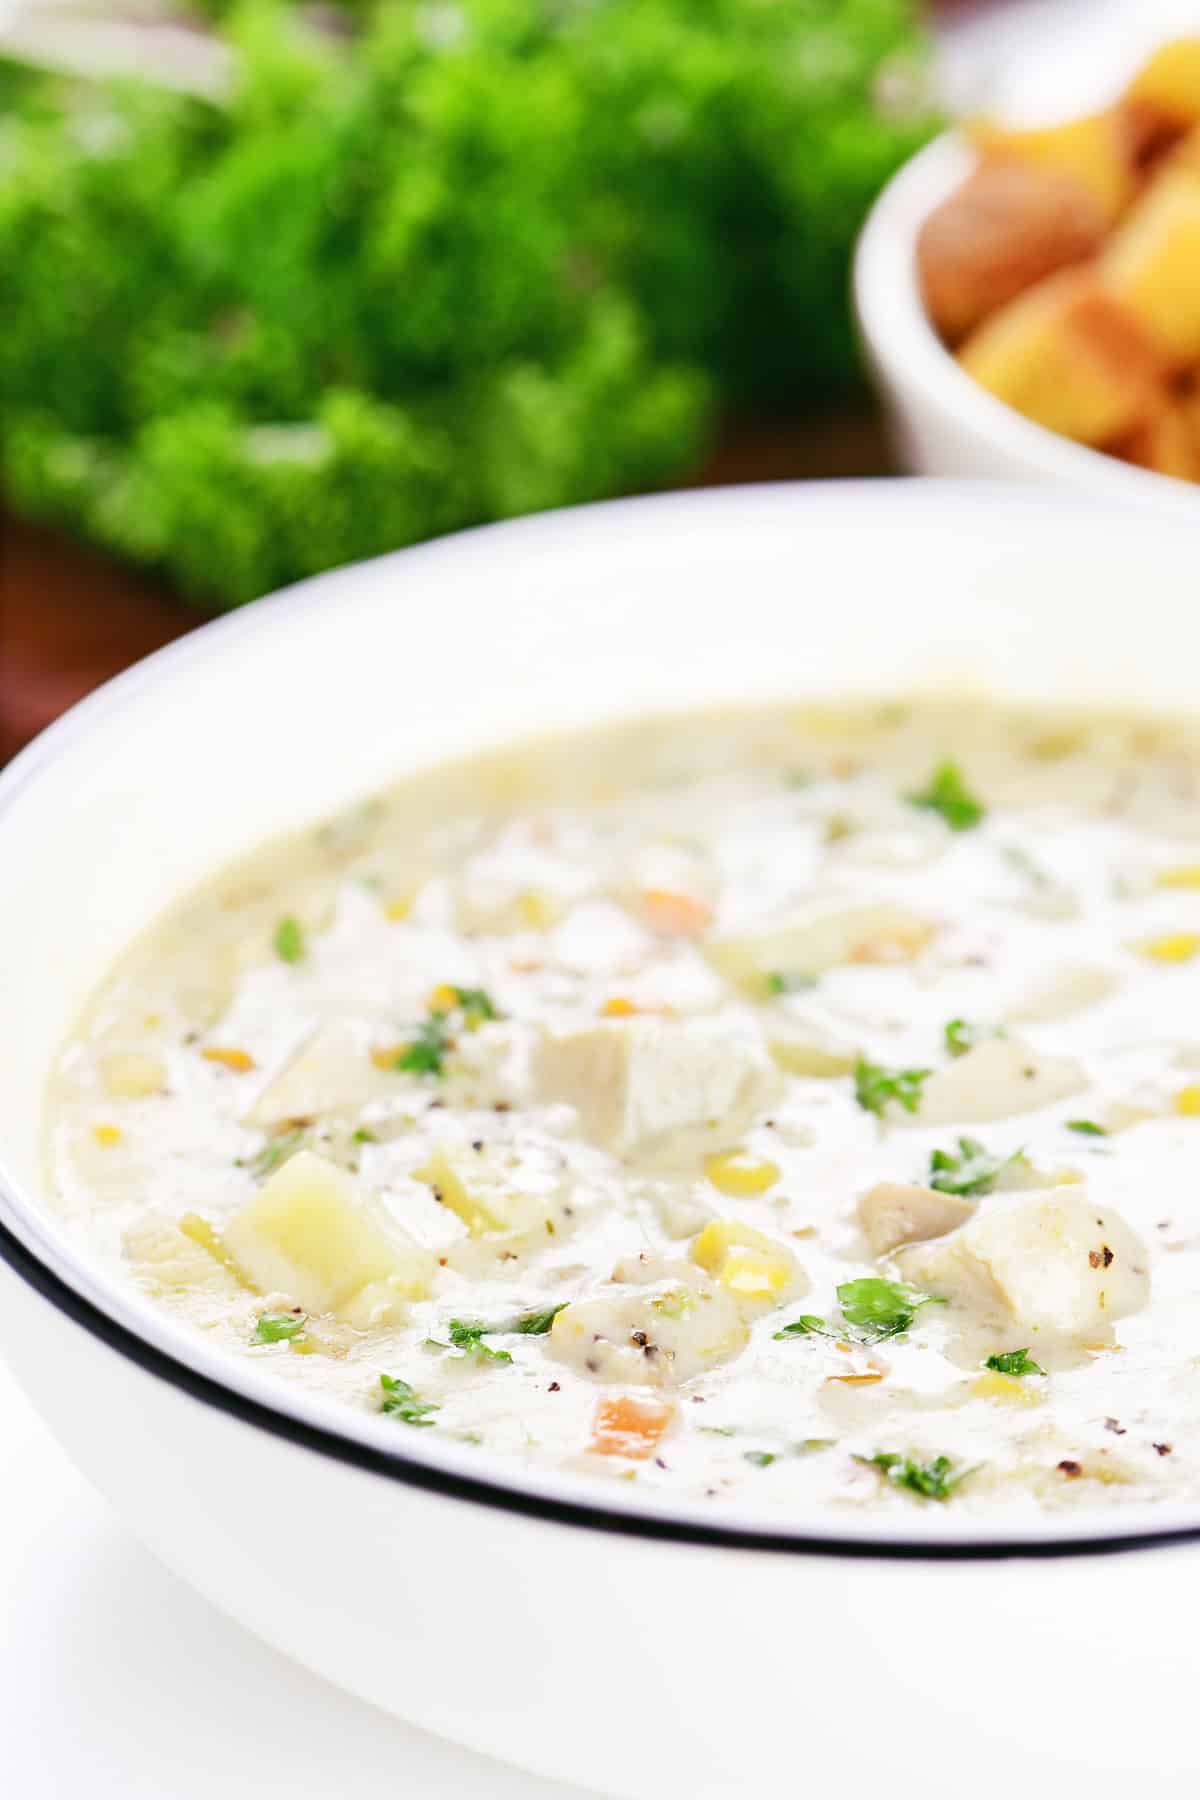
[(118, 1683)]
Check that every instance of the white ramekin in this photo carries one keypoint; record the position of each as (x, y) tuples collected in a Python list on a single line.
[(943, 422), (580, 1630)]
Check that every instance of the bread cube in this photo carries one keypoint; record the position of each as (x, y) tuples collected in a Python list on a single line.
[(1169, 84), (1008, 226), (1094, 151), (1151, 265), (1070, 357)]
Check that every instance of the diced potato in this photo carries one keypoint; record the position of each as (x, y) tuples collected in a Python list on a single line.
[(681, 1208), (166, 1260), (133, 1075), (994, 1080), (1008, 226), (752, 1266), (329, 1073), (1169, 84), (485, 1197), (799, 1048), (1006, 1390), (1151, 265), (1059, 1265), (1166, 443), (1094, 150), (657, 1335), (805, 944), (309, 1233), (1067, 990), (897, 1212), (632, 1081), (1069, 357)]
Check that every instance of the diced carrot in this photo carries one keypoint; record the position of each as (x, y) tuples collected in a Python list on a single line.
[(630, 1427), (678, 915), (240, 1061)]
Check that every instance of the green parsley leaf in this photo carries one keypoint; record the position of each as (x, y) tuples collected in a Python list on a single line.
[(961, 1037), (948, 794), (1014, 1362), (807, 1325), (776, 983), (881, 1309), (973, 1171), (275, 1152), (935, 1480), (468, 1337), (364, 1135), (402, 1402), (534, 1324), (760, 1459), (809, 1446), (1086, 1127), (873, 1309), (426, 1055), (476, 1007), (874, 1086), (278, 1328), (290, 946)]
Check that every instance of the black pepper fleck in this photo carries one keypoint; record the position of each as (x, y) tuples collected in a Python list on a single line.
[(1070, 1468)]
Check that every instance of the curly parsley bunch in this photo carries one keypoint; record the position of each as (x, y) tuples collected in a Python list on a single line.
[(449, 262)]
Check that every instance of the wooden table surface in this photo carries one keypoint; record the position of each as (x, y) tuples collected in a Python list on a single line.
[(71, 617)]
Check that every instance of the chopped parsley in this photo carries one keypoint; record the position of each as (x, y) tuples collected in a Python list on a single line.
[(961, 1037), (935, 1480), (364, 1135), (468, 1335), (279, 1328), (1086, 1127), (973, 1171), (403, 1402), (760, 1459), (873, 1308), (275, 1152), (874, 1086), (780, 983), (426, 1054), (290, 946), (1014, 1362), (949, 795)]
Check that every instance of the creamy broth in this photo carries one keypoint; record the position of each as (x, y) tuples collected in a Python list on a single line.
[(778, 1110)]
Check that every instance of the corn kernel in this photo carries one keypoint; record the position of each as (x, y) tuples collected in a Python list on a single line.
[(399, 908), (1187, 1102), (751, 1265), (386, 1056), (240, 1061), (1183, 875), (443, 998), (538, 911), (617, 1008), (108, 1135), (740, 1175), (1006, 1389), (1173, 947), (753, 1276)]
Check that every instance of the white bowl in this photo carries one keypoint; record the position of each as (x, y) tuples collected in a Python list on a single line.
[(579, 1630), (943, 422)]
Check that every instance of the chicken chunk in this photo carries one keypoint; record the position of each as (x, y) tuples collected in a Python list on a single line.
[(897, 1212), (994, 1080), (805, 944), (658, 1332), (633, 1081), (1056, 1264)]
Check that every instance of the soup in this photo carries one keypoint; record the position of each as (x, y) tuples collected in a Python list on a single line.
[(779, 1110)]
